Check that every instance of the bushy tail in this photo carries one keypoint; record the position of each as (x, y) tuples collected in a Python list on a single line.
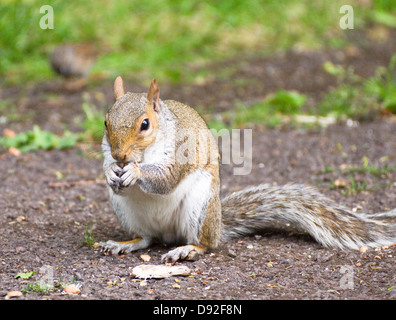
[(265, 207)]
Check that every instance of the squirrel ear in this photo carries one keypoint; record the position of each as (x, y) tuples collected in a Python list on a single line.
[(153, 95), (118, 88)]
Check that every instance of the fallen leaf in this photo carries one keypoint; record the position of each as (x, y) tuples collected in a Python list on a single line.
[(344, 167), (147, 271), (322, 121), (95, 245), (25, 275), (12, 294), (9, 133), (20, 249), (69, 184), (145, 257), (176, 286), (372, 266), (14, 151), (363, 249), (143, 283), (20, 218), (355, 209), (59, 174), (341, 183), (71, 289)]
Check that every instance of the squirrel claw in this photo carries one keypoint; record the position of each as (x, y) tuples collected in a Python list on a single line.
[(110, 247), (114, 247), (129, 175), (113, 179), (189, 252)]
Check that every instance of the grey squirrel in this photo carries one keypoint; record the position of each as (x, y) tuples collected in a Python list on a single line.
[(73, 60), (159, 199)]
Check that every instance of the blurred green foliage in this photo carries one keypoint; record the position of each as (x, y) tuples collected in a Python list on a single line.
[(176, 41), (271, 111), (169, 39), (354, 97), (37, 139), (357, 97)]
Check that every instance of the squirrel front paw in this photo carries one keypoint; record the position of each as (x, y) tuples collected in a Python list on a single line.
[(188, 252), (114, 247), (113, 177), (130, 174)]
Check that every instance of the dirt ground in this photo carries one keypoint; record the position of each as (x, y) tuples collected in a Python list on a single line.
[(43, 223)]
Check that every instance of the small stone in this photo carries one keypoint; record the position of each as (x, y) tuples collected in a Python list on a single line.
[(232, 253)]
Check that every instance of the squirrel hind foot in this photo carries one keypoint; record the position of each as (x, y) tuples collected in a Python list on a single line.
[(114, 247), (188, 252)]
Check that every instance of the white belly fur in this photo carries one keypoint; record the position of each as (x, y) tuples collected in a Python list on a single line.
[(175, 217)]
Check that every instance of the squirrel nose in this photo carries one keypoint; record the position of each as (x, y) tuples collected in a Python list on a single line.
[(122, 164), (121, 159)]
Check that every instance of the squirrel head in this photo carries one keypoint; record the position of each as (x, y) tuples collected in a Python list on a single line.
[(132, 122)]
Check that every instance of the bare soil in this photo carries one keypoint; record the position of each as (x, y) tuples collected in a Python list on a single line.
[(43, 222)]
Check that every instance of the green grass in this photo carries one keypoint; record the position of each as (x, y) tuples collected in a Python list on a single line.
[(171, 40), (269, 112), (39, 139), (355, 173), (354, 186), (365, 168), (36, 139), (88, 236), (93, 123), (175, 41), (354, 97), (357, 97), (44, 288)]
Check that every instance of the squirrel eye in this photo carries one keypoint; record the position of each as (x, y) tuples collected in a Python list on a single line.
[(145, 125), (105, 124)]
